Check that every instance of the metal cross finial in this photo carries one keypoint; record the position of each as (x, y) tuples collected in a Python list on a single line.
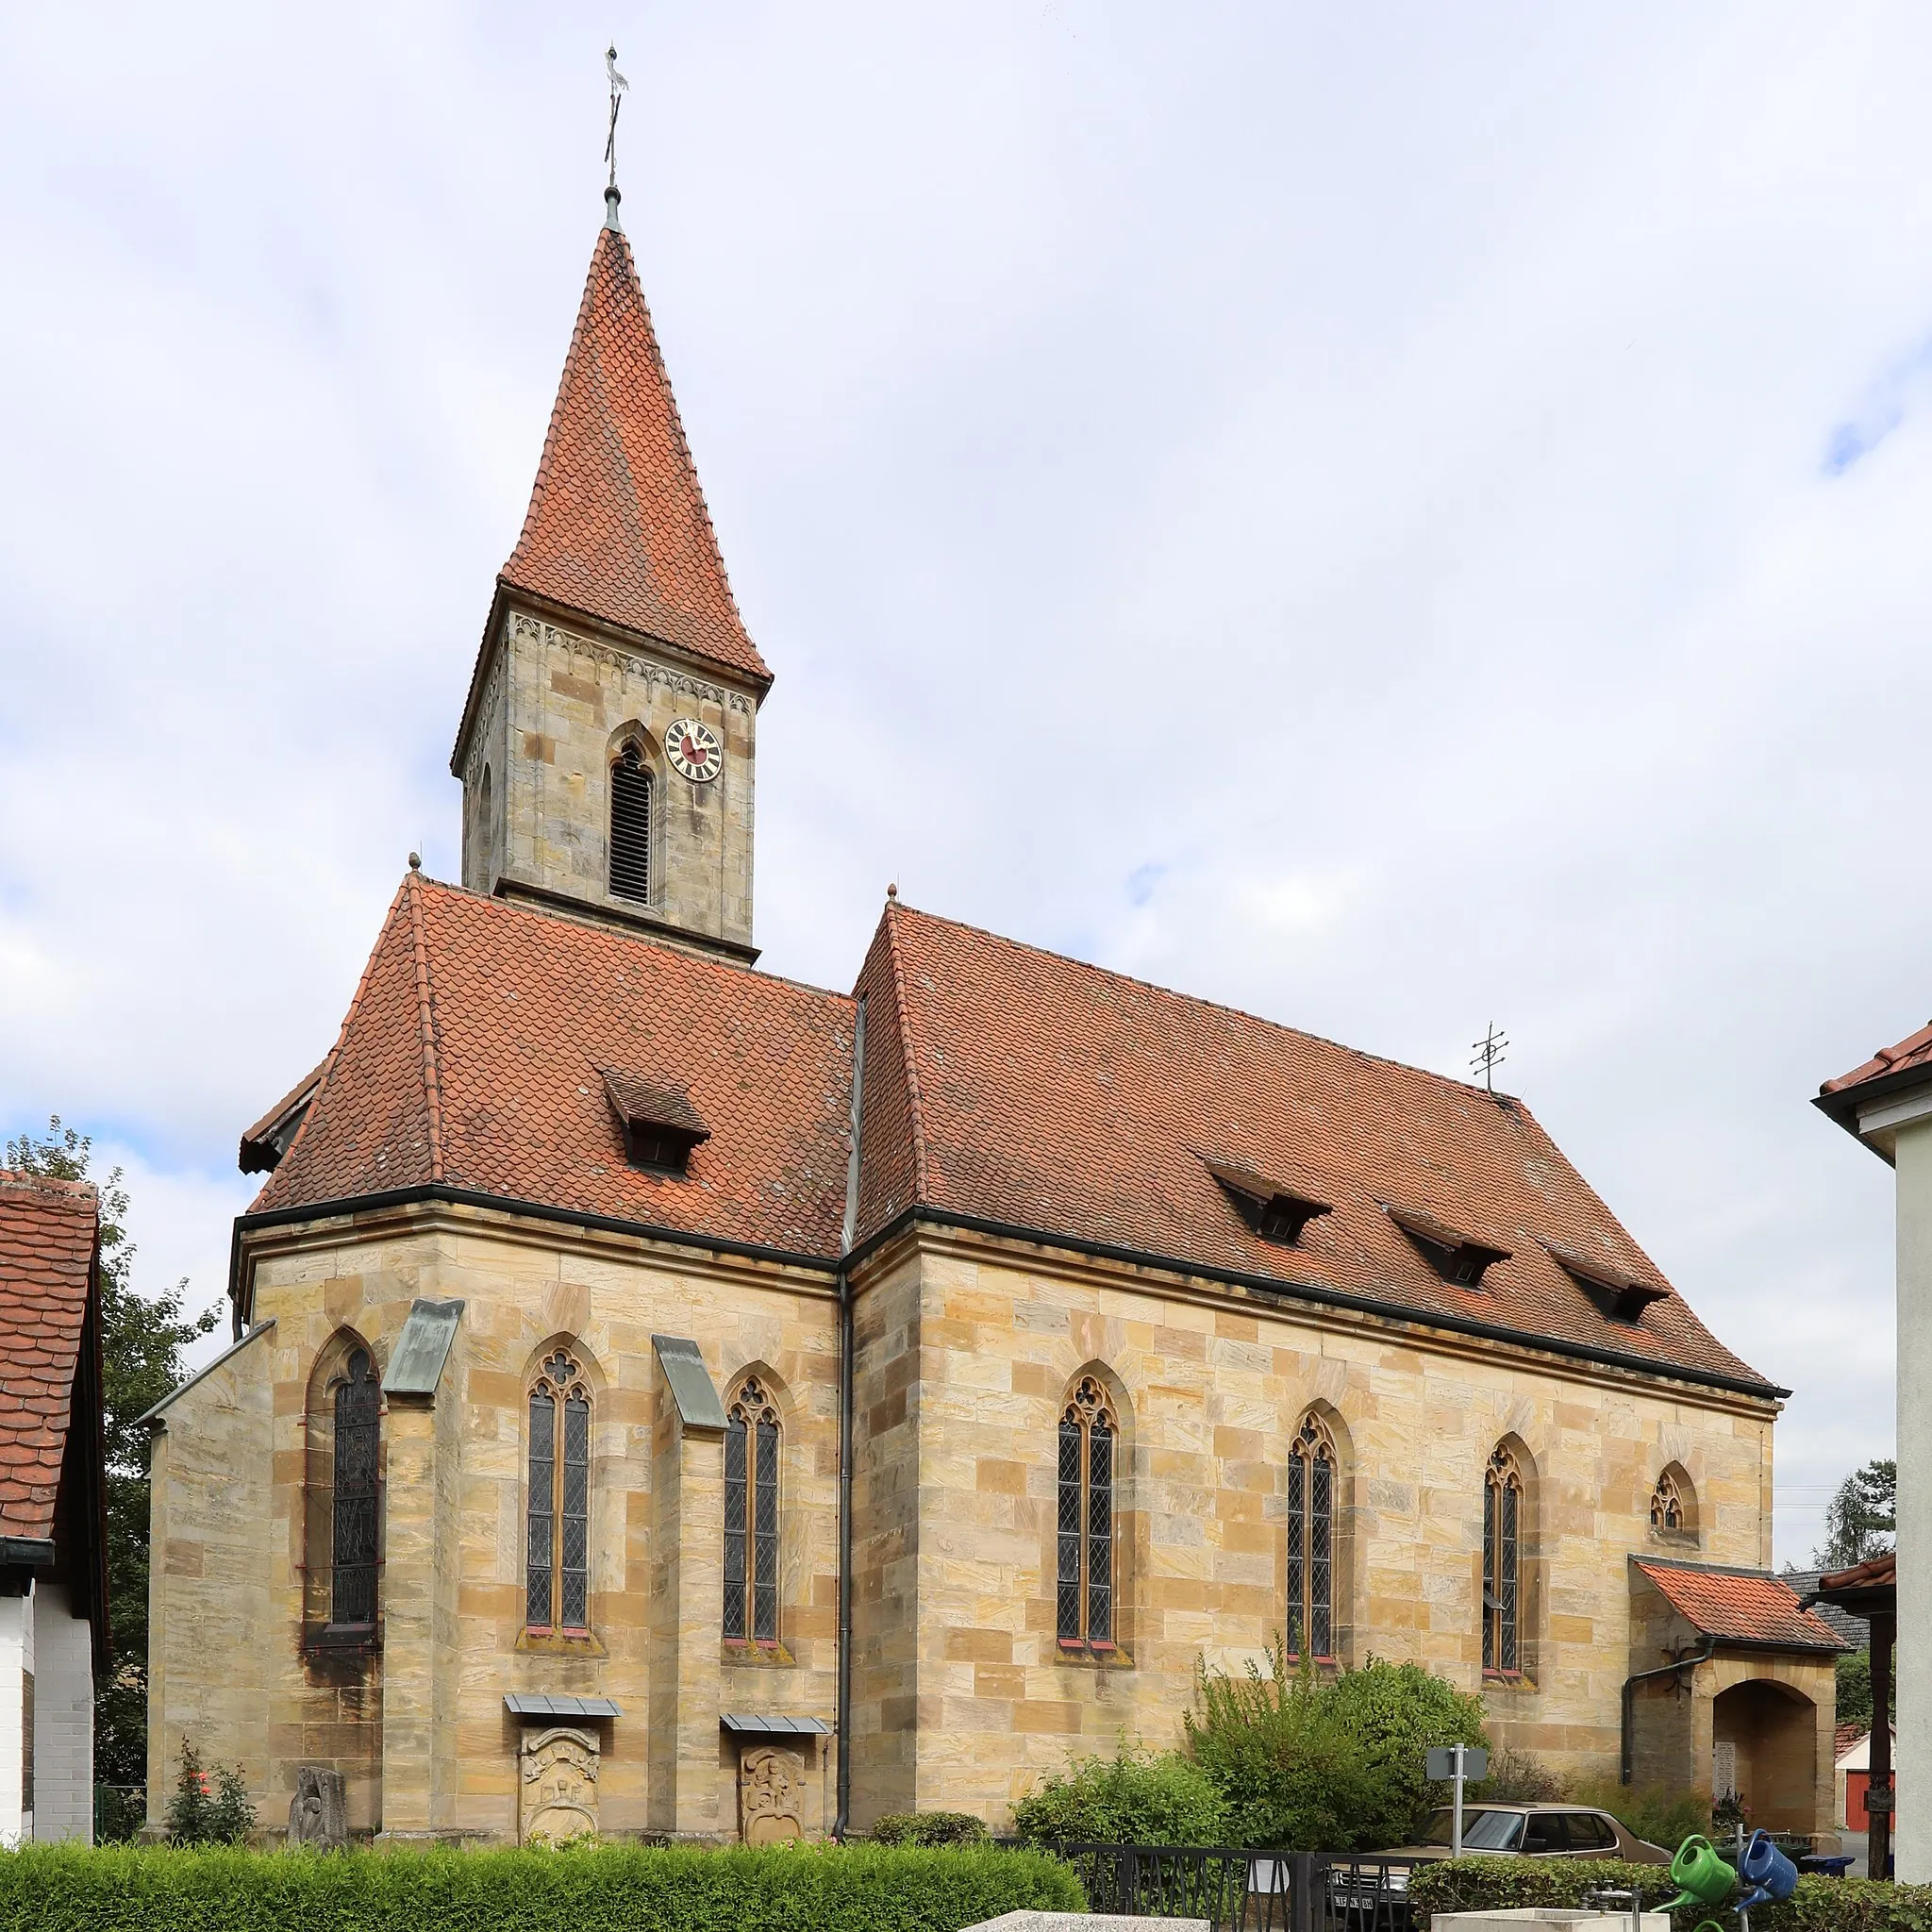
[(619, 86), (1490, 1056)]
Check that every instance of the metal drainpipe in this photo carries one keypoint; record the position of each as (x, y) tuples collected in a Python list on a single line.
[(844, 1719), (1631, 1683)]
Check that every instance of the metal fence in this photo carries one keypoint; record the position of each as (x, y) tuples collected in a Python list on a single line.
[(1247, 1891)]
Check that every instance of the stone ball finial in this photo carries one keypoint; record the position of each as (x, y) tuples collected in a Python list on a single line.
[(415, 861), (892, 891)]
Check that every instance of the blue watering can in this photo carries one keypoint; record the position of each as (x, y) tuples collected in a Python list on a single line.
[(1769, 1874)]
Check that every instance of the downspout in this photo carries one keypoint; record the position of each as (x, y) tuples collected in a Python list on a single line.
[(1631, 1683), (844, 1719)]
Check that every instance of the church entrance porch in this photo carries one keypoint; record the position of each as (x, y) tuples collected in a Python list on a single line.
[(1764, 1739)]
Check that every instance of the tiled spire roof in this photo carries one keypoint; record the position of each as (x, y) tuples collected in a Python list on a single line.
[(617, 526)]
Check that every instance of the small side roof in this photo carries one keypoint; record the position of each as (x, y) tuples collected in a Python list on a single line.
[(1891, 1070), (267, 1141), (1746, 1606)]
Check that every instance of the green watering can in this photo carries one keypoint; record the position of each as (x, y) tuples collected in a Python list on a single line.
[(1704, 1876)]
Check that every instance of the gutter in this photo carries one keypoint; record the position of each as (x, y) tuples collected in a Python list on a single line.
[(1310, 1291), (1631, 1683), (844, 1719)]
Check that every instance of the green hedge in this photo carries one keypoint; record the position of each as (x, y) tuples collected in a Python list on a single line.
[(1820, 1904), (803, 1888)]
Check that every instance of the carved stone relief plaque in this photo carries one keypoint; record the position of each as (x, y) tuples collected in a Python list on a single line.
[(556, 1786), (771, 1796)]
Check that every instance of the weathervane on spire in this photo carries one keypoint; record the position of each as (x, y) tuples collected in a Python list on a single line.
[(619, 87)]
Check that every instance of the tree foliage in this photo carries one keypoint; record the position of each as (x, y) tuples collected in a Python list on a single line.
[(142, 1339), (1855, 1687), (1861, 1519)]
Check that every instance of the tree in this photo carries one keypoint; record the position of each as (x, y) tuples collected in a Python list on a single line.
[(142, 1339), (1860, 1520)]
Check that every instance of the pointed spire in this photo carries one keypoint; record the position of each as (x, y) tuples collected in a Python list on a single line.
[(617, 526)]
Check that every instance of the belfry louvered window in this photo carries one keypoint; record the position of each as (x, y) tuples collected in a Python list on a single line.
[(1502, 1565), (558, 1519), (751, 1516), (1084, 1575), (1311, 1467), (630, 826), (357, 1436)]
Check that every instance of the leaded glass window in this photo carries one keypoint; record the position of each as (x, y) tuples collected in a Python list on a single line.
[(556, 1559), (1083, 1581), (751, 1516), (357, 1439), (1502, 1565), (1311, 1471)]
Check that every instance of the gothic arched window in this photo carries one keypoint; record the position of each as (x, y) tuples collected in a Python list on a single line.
[(630, 825), (1502, 1563), (558, 1518), (1311, 1468), (1673, 1502), (358, 1404), (751, 1516), (1084, 1574)]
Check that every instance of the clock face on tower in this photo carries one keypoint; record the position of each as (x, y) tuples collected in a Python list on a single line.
[(694, 751)]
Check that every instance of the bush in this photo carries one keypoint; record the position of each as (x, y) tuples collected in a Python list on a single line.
[(596, 1888), (1820, 1904), (1663, 1817), (1136, 1797), (1311, 1764), (1515, 1774), (208, 1808), (928, 1828)]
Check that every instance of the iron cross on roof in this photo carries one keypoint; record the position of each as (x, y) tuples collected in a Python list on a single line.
[(1490, 1055), (619, 87)]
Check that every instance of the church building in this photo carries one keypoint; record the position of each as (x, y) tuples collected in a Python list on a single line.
[(669, 1399)]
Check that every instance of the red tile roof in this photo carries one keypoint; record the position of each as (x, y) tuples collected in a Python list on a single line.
[(1740, 1606), (474, 1057), (1876, 1573), (617, 526), (49, 1230), (1003, 1085), (1022, 1087)]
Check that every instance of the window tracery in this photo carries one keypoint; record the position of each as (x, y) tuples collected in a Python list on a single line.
[(1669, 1501), (751, 1516), (1084, 1573), (557, 1515), (1311, 1474), (1502, 1565)]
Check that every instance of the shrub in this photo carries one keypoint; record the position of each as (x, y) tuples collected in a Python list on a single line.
[(1517, 1775), (598, 1888), (208, 1808), (1820, 1904), (928, 1828), (1136, 1797), (1663, 1817), (1307, 1764)]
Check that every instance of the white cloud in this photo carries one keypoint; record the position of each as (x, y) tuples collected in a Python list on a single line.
[(1372, 466)]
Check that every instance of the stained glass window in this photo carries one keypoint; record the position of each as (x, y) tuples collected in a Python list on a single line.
[(1502, 1567), (1311, 1465), (357, 1434), (1083, 1578), (751, 1516), (556, 1561)]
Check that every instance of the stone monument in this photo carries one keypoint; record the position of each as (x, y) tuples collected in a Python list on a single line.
[(318, 1813)]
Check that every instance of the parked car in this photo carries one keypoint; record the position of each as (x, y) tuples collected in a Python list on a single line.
[(1535, 1831)]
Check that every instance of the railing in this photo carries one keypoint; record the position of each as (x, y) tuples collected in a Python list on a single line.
[(1247, 1891)]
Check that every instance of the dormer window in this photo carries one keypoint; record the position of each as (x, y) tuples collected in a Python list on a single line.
[(1618, 1293), (661, 1125), (1459, 1259), (1277, 1210)]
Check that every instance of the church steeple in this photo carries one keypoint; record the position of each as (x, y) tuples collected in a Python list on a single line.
[(606, 745)]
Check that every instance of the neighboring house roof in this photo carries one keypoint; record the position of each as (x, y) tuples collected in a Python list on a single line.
[(1038, 1092), (49, 1233), (1747, 1606), (1854, 1630), (617, 526), (474, 1058), (496, 1050), (1876, 1573), (1908, 1064), (1851, 1748)]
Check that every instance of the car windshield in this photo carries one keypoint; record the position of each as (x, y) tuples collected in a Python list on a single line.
[(1482, 1831)]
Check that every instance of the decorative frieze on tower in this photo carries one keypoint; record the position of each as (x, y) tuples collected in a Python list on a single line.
[(607, 748)]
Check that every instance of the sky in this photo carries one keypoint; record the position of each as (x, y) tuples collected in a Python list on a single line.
[(1394, 517)]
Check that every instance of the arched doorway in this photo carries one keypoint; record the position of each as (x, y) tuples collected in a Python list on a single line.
[(1765, 1738)]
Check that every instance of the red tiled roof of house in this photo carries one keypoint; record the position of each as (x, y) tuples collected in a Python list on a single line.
[(1875, 1572), (48, 1229), (1740, 1606), (472, 1056), (617, 526), (1021, 1088), (1914, 1050), (1844, 1737)]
